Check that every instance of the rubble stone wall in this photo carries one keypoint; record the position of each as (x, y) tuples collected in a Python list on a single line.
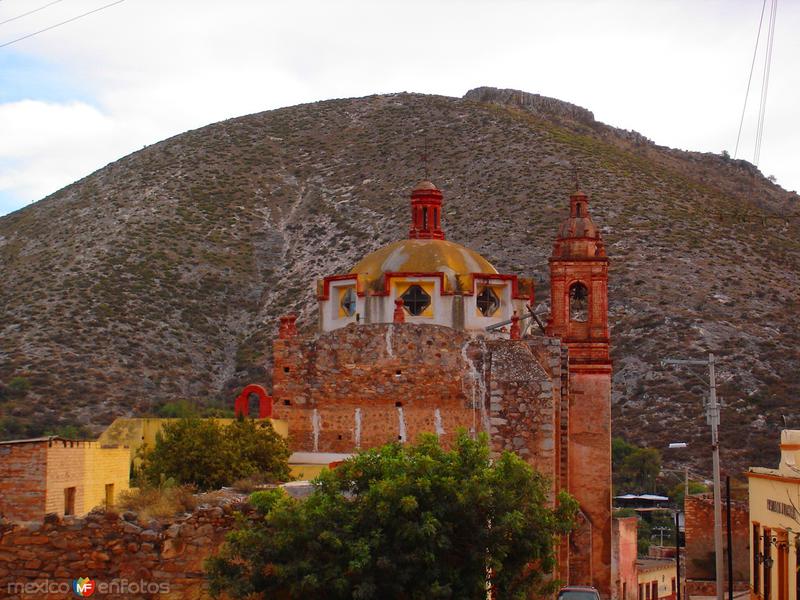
[(365, 385), (135, 560)]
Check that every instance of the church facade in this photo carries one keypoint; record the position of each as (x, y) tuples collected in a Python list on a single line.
[(403, 348)]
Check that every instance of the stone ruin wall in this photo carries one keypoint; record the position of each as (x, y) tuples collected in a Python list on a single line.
[(116, 550), (366, 385)]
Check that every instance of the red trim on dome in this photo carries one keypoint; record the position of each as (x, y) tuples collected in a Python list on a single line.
[(389, 275), (326, 285), (515, 295)]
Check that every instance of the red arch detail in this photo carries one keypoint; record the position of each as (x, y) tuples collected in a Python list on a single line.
[(242, 405)]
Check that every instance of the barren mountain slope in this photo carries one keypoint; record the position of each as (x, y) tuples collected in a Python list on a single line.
[(162, 275)]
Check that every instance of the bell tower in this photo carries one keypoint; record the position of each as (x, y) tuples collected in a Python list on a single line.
[(579, 316)]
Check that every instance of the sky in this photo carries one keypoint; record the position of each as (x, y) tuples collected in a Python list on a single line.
[(79, 96)]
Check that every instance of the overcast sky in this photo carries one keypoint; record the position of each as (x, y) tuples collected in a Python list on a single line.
[(82, 95)]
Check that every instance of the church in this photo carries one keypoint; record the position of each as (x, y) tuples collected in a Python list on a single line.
[(425, 335)]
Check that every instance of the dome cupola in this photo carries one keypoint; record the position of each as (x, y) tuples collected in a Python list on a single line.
[(426, 212), (439, 282)]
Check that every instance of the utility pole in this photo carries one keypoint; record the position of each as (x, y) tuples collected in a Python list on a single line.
[(712, 418), (661, 531)]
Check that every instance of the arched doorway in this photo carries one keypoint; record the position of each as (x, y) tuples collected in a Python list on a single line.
[(242, 404)]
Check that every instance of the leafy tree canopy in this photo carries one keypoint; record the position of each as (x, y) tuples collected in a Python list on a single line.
[(209, 455), (634, 469), (404, 522)]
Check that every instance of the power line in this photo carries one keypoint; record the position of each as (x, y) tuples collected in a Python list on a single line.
[(25, 37), (750, 78), (765, 82), (30, 12)]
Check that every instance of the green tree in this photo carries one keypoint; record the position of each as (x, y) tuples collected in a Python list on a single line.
[(678, 491), (634, 469), (410, 522), (204, 453)]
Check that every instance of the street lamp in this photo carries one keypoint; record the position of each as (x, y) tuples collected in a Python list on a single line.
[(679, 446), (676, 446)]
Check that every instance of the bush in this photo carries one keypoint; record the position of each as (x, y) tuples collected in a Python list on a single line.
[(177, 410), (401, 522), (158, 502), (208, 455), (18, 387)]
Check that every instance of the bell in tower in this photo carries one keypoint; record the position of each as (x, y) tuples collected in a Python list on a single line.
[(579, 284)]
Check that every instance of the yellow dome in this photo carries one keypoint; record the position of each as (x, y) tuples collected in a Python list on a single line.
[(423, 256)]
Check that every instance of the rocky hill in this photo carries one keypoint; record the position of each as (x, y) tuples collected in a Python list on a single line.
[(161, 276)]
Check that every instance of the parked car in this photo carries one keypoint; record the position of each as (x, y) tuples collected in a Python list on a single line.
[(578, 592)]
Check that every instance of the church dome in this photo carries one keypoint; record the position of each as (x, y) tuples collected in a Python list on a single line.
[(456, 262)]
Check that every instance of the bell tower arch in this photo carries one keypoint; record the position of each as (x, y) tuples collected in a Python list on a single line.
[(579, 316)]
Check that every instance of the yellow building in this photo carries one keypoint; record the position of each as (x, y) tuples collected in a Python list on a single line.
[(656, 578), (305, 466), (54, 475), (775, 524)]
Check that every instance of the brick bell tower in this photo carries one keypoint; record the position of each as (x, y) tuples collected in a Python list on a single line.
[(579, 316)]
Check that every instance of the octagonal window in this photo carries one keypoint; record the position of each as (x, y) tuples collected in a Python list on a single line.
[(488, 302), (416, 300), (349, 302)]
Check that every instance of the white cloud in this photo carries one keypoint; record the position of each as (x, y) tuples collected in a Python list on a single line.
[(148, 69)]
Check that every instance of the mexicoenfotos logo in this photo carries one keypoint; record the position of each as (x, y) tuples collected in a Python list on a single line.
[(83, 587)]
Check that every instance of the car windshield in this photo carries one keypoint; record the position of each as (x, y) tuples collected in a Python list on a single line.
[(577, 595)]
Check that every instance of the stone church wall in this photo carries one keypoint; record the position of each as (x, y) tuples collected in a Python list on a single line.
[(366, 385)]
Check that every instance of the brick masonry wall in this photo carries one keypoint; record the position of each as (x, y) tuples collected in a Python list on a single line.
[(700, 542), (22, 481), (590, 473), (114, 550)]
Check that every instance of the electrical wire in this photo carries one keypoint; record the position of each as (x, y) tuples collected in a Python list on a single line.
[(25, 37), (765, 83), (750, 78), (30, 12)]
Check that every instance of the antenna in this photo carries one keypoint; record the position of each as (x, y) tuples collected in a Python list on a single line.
[(577, 180)]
